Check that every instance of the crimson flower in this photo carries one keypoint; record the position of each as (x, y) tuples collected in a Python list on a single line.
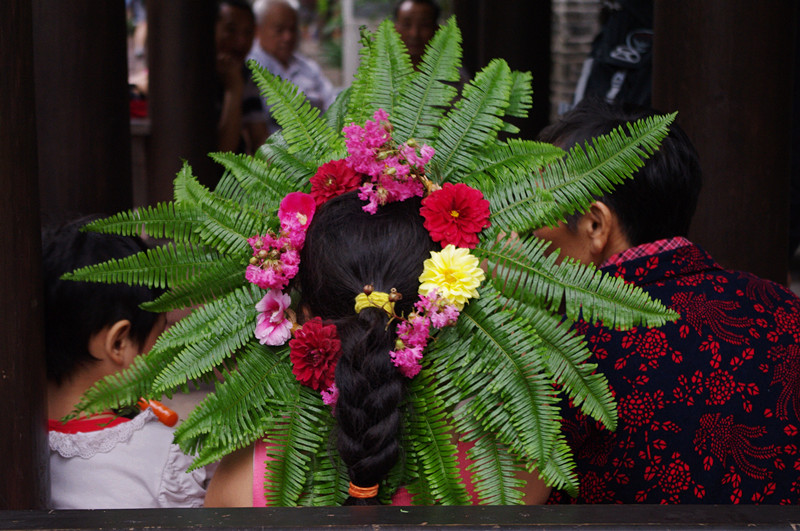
[(455, 215), (314, 352), (333, 178)]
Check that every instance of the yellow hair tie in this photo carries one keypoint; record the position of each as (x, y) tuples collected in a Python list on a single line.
[(378, 299), (363, 492)]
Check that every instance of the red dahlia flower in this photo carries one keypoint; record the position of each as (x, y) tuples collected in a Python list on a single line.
[(333, 178), (455, 215), (314, 352)]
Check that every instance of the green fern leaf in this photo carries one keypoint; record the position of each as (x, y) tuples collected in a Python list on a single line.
[(421, 104), (523, 271), (564, 354), (230, 321), (518, 157), (297, 437), (475, 120), (164, 220), (431, 446), (301, 126)]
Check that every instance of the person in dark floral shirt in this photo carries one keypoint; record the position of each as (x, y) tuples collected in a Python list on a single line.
[(709, 406)]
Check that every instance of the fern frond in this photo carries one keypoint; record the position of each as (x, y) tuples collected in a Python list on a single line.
[(223, 326), (164, 220), (564, 353), (522, 270), (294, 439), (240, 402), (515, 157), (502, 375), (588, 172), (494, 470), (227, 225), (264, 184), (298, 167), (422, 103), (156, 267), (223, 276), (430, 443), (475, 120), (301, 126)]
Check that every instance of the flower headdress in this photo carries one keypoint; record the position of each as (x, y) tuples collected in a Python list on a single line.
[(507, 359)]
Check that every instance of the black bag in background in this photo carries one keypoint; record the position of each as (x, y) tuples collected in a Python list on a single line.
[(619, 67)]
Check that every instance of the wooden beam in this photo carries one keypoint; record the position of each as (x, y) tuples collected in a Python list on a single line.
[(23, 443), (726, 67)]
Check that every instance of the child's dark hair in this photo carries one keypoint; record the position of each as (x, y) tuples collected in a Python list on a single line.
[(75, 311), (346, 249)]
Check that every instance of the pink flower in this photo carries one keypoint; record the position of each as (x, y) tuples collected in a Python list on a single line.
[(269, 278), (330, 396), (295, 213), (407, 360), (272, 326)]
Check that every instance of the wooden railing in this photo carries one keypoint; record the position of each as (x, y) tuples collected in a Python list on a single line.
[(585, 517)]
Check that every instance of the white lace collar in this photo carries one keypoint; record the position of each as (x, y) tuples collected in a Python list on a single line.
[(87, 444)]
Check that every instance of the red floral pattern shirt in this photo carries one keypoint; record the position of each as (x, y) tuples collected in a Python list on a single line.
[(709, 406)]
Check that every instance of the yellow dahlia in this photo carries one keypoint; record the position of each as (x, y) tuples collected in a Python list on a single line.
[(454, 273)]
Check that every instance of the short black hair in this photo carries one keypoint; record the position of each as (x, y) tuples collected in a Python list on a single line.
[(660, 201), (74, 311), (437, 11), (244, 5)]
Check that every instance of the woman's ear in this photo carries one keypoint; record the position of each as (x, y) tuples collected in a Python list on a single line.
[(117, 344), (605, 233)]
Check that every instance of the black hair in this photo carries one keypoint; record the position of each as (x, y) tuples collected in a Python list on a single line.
[(244, 5), (346, 249), (75, 311), (437, 11), (661, 199)]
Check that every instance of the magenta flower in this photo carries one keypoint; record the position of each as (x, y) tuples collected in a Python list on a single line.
[(408, 360), (330, 396), (295, 213), (272, 326)]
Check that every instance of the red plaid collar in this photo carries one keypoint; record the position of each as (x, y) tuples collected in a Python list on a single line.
[(646, 249)]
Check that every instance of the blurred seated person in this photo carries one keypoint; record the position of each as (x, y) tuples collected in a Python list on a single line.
[(275, 49), (708, 405), (242, 126), (105, 460), (416, 21)]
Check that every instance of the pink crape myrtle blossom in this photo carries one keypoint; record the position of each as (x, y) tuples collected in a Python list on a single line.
[(408, 360), (330, 396), (272, 326)]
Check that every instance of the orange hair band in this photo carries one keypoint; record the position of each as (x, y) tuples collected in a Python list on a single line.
[(363, 492)]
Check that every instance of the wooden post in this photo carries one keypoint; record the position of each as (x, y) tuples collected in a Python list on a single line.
[(23, 443), (726, 67), (82, 112), (519, 32), (181, 66)]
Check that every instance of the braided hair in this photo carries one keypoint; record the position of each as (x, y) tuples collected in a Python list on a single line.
[(346, 249)]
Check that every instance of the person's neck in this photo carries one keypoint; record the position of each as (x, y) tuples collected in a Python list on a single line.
[(61, 399)]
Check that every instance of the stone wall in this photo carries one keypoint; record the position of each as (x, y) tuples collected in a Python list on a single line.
[(575, 25)]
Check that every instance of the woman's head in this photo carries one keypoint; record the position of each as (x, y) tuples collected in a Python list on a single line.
[(346, 249)]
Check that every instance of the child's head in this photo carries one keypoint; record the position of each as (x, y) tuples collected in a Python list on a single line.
[(77, 311), (346, 249)]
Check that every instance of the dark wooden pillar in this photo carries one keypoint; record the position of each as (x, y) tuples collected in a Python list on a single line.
[(181, 65), (726, 66), (517, 31), (80, 64), (23, 443)]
